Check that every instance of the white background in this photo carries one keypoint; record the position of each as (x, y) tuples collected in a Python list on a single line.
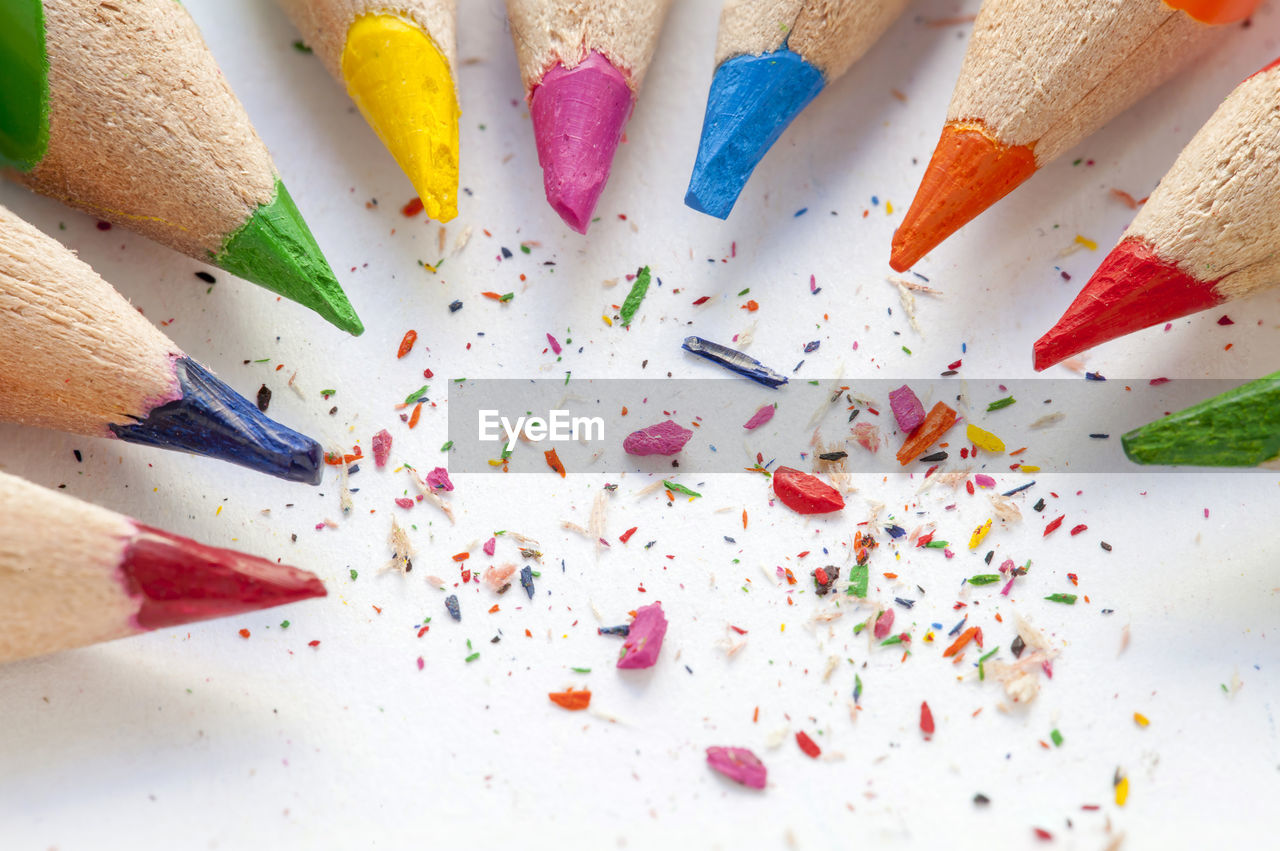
[(199, 738)]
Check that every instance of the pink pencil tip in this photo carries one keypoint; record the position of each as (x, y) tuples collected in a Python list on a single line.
[(578, 117)]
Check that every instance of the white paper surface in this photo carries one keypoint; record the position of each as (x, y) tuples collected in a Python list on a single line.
[(198, 738)]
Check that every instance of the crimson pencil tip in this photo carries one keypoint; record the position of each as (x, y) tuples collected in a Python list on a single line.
[(1042, 353), (181, 581), (578, 117), (1132, 289)]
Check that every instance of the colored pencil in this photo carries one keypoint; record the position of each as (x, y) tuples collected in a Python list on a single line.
[(397, 61), (772, 58), (1208, 233), (1038, 77), (1239, 428), (582, 62), (74, 574), (118, 109), (75, 356)]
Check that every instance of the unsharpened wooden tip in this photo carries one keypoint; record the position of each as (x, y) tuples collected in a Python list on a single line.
[(179, 581), (578, 117), (402, 84), (970, 170), (752, 100), (275, 249), (1239, 428), (1132, 289)]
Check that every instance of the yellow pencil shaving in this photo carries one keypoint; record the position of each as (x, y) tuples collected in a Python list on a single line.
[(979, 534), (402, 84), (1122, 791), (983, 439)]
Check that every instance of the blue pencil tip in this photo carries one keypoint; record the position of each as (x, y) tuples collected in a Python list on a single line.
[(752, 100), (214, 420)]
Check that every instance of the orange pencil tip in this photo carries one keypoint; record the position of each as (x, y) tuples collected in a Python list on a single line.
[(970, 170), (1216, 12)]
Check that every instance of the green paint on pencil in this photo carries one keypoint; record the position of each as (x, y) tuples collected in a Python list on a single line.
[(276, 250), (24, 96), (1239, 428)]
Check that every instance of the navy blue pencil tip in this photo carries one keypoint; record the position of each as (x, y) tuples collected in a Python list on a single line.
[(213, 420), (752, 100)]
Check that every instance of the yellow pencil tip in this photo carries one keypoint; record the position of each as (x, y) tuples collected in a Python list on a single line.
[(402, 84)]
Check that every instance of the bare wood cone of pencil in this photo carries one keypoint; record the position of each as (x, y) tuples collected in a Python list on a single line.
[(119, 110), (1038, 77)]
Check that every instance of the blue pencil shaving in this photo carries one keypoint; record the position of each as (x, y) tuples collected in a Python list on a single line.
[(734, 360), (1019, 488)]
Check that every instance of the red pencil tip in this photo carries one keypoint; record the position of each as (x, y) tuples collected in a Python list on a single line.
[(970, 170), (1132, 289), (181, 581), (578, 117)]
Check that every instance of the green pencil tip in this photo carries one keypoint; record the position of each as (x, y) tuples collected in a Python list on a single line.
[(276, 250), (1239, 428)]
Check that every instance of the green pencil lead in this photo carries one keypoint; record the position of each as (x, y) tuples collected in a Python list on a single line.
[(24, 98), (276, 250), (1239, 428)]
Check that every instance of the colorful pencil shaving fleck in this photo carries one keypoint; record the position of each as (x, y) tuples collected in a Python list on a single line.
[(734, 360), (632, 302), (738, 764)]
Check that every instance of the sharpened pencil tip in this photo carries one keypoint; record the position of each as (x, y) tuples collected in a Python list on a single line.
[(402, 84), (1238, 428), (213, 420), (1132, 289), (180, 581), (276, 250), (970, 170), (753, 99), (578, 117)]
